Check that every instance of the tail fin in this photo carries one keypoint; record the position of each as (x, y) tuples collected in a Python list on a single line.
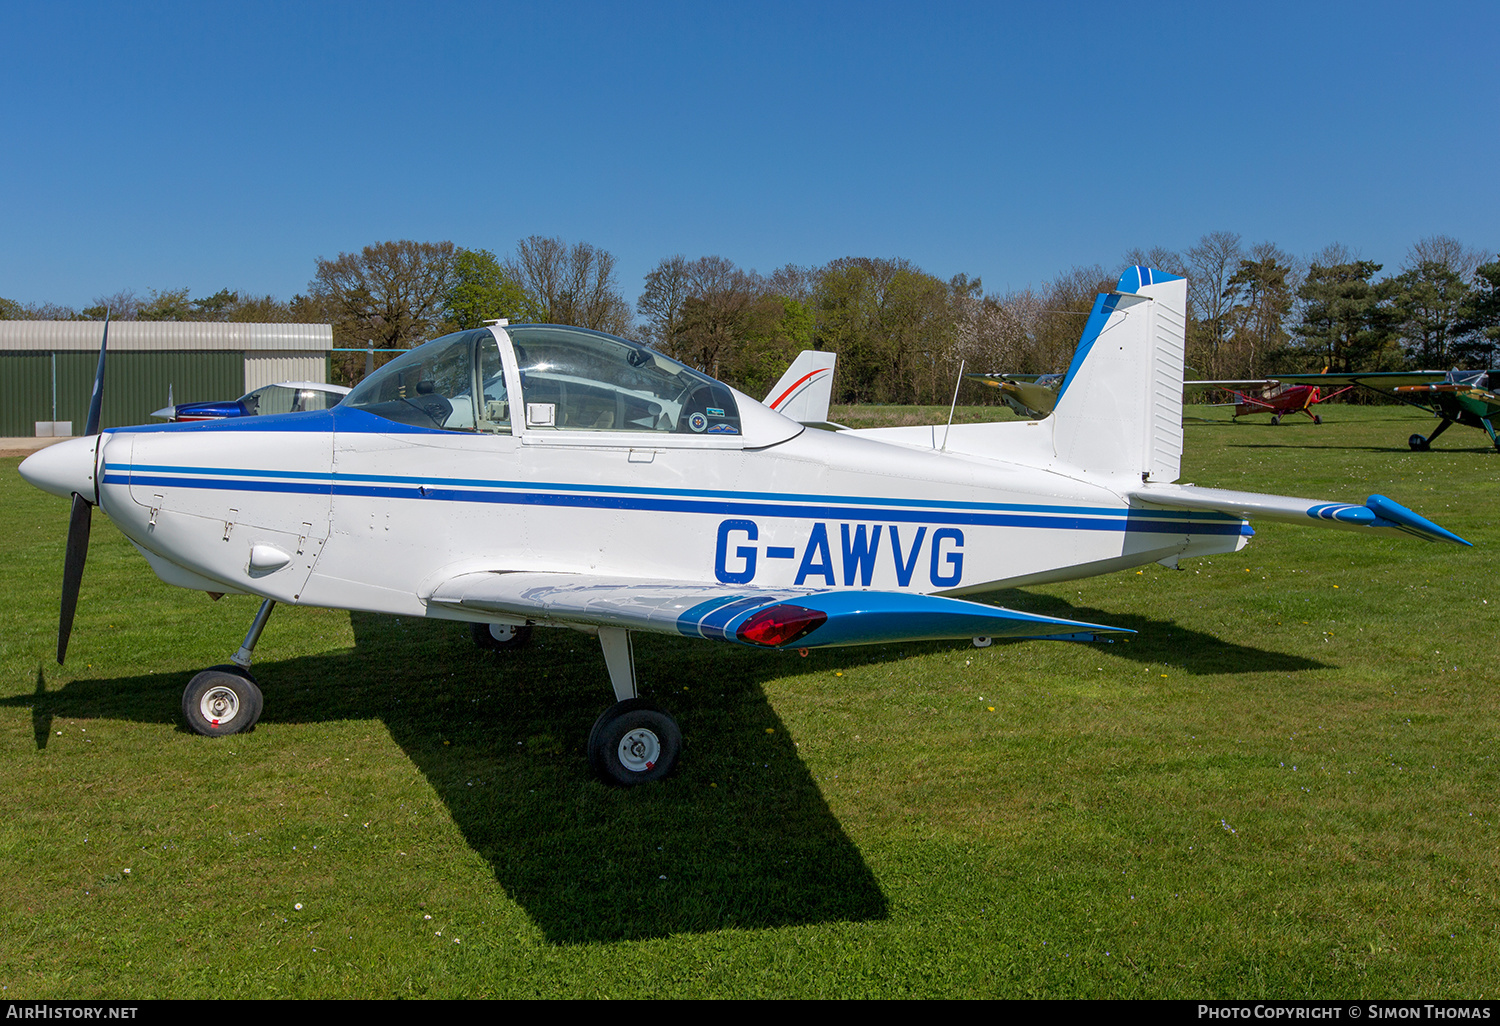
[(804, 391), (1119, 410)]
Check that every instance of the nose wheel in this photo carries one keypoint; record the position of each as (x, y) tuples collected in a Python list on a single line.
[(222, 700), (500, 637)]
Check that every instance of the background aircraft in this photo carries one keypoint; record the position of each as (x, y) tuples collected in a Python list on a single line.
[(282, 397), (1274, 396), (1456, 397), (1030, 395), (805, 390), (541, 475)]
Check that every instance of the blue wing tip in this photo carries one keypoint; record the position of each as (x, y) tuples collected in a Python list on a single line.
[(1398, 515)]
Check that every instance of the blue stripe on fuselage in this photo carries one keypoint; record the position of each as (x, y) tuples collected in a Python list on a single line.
[(1065, 518)]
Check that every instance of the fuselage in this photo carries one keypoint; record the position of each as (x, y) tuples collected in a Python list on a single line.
[(351, 509)]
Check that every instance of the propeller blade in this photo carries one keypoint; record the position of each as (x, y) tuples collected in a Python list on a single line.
[(80, 518), (96, 401), (77, 551)]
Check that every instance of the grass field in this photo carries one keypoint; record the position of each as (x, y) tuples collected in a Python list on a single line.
[(1284, 786)]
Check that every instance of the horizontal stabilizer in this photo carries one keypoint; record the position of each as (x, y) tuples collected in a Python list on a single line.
[(1378, 512), (765, 618)]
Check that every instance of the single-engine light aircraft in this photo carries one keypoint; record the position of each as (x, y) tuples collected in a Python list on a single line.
[(1276, 396), (282, 397), (1030, 395), (536, 475)]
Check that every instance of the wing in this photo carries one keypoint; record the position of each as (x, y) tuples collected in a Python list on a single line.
[(759, 617), (1384, 382), (1231, 384), (1378, 513)]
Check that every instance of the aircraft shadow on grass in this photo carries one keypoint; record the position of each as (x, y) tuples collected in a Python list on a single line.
[(740, 837)]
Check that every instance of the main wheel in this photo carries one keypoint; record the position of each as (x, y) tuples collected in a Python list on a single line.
[(222, 700), (1275, 418), (634, 742), (1418, 443), (500, 637), (1317, 419)]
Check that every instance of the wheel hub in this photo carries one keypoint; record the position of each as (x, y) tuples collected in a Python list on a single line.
[(639, 750), (219, 705)]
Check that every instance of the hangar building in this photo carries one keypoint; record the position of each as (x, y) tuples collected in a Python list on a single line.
[(47, 367)]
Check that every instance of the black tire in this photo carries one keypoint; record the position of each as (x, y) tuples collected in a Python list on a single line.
[(1418, 443), (221, 700), (500, 637), (634, 742), (1275, 419), (1317, 419)]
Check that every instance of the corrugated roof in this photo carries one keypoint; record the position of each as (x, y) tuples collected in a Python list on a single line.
[(60, 336)]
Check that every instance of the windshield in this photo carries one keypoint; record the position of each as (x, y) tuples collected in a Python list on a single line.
[(453, 383), (573, 379)]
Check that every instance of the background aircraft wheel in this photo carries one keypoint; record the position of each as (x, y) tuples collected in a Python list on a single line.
[(500, 637), (1418, 443), (634, 742), (1317, 419), (221, 700), (1275, 418)]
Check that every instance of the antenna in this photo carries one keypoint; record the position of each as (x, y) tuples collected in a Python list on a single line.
[(954, 404)]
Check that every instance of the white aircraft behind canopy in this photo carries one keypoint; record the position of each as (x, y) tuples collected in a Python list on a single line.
[(524, 475)]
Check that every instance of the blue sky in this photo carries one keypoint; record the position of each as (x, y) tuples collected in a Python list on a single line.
[(212, 145)]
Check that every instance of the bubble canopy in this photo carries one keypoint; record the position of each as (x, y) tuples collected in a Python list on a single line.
[(554, 379)]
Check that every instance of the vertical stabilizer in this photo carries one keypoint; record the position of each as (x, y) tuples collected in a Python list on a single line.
[(804, 391), (1119, 410)]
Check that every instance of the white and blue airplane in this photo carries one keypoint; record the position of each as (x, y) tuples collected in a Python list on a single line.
[(536, 475)]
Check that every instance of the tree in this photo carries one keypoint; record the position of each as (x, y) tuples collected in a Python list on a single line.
[(569, 284), (389, 293), (892, 327), (1344, 323), (171, 305), (667, 287), (218, 307), (712, 322), (1427, 303), (1211, 264), (1064, 312), (1446, 250), (481, 290), (1479, 319), (1260, 292), (122, 306)]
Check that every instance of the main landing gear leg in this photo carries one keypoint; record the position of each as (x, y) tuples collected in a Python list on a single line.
[(1420, 444), (633, 741), (225, 699)]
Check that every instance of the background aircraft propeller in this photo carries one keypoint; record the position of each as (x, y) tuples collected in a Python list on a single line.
[(80, 517)]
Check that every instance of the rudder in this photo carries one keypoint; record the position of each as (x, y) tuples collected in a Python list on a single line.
[(1119, 410)]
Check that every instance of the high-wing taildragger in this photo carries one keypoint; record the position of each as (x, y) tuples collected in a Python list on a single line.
[(535, 475)]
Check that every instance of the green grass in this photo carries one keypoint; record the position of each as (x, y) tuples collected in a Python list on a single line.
[(1283, 786)]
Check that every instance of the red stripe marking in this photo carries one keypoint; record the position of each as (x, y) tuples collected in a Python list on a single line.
[(795, 385)]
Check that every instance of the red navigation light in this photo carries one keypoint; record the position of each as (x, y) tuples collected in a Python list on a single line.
[(781, 625)]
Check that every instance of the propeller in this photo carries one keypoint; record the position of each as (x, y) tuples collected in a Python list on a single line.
[(80, 516)]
